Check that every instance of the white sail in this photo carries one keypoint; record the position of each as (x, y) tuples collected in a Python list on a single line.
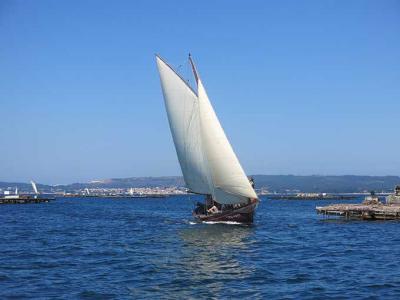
[(183, 114), (34, 187), (230, 183)]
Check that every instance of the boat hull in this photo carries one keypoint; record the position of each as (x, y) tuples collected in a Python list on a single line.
[(243, 215)]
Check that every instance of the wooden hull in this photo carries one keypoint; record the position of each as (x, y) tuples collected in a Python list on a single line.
[(243, 215)]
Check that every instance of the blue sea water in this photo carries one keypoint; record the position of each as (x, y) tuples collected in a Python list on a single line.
[(149, 248)]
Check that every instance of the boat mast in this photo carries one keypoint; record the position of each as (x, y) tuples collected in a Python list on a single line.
[(228, 181), (210, 176), (196, 75), (176, 73)]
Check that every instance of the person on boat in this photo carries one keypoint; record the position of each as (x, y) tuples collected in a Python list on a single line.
[(200, 208), (209, 201), (228, 207), (213, 210), (251, 180)]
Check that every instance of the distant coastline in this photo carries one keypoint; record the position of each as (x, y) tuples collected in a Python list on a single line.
[(271, 183)]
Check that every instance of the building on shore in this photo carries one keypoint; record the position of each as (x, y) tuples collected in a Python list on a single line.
[(394, 198)]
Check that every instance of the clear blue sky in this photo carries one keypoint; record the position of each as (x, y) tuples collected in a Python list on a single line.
[(301, 87)]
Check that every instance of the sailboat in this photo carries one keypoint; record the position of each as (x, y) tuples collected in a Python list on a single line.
[(34, 187), (208, 163), (20, 199)]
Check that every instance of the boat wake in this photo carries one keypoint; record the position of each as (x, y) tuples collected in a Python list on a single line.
[(217, 222), (222, 222)]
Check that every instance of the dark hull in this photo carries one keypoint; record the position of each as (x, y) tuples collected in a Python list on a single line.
[(243, 214)]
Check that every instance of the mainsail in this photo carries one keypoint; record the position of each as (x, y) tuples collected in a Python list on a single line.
[(230, 182), (183, 114), (209, 162), (34, 187)]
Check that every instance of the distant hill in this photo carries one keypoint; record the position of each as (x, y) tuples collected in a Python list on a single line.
[(164, 181), (22, 186), (274, 183), (329, 184)]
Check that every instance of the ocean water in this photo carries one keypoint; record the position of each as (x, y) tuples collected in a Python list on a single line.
[(150, 248)]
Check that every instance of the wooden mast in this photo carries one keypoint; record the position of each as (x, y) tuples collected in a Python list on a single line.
[(196, 75)]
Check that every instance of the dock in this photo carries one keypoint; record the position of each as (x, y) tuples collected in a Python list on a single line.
[(24, 200), (122, 196), (312, 197), (363, 211)]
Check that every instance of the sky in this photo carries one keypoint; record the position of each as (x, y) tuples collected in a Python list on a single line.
[(300, 87)]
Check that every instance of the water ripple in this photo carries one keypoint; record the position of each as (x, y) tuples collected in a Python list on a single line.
[(124, 249)]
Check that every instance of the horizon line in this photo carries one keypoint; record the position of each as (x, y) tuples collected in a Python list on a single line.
[(181, 176)]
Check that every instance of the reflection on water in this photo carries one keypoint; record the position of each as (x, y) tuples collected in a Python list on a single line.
[(216, 236), (197, 261), (209, 254)]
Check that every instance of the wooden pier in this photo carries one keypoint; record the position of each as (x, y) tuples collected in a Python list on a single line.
[(24, 200), (363, 211), (312, 197)]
